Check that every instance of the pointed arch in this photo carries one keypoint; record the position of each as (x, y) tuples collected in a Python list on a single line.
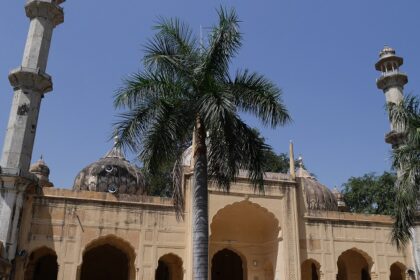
[(231, 258), (354, 264), (169, 267), (311, 270), (42, 264), (112, 250), (260, 214), (398, 271)]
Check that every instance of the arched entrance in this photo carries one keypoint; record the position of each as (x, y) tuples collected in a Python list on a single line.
[(104, 262), (226, 265), (397, 271), (42, 265), (310, 270), (169, 268), (108, 258), (353, 264), (252, 230)]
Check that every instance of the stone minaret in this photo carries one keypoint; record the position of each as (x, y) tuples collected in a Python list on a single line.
[(392, 83), (30, 82)]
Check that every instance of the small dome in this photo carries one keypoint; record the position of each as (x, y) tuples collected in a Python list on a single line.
[(340, 200), (41, 170), (317, 196), (113, 174)]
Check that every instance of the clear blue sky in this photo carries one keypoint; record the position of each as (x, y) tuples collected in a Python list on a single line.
[(321, 53)]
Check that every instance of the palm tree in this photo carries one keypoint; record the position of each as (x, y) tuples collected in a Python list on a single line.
[(186, 89), (406, 160)]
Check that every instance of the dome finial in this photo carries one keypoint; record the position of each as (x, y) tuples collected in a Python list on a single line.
[(300, 161), (116, 140)]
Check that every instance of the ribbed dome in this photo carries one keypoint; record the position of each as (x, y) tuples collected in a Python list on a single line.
[(317, 196), (112, 173)]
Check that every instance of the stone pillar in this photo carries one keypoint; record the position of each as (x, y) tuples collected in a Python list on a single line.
[(30, 83)]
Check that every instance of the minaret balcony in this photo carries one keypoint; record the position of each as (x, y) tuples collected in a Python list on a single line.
[(391, 79), (31, 80)]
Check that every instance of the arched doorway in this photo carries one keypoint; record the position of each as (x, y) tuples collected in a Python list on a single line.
[(397, 271), (104, 262), (227, 265), (109, 258), (310, 270), (257, 236), (42, 265), (169, 268), (353, 265)]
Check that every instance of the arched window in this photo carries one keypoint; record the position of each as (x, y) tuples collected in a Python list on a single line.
[(169, 268), (227, 265), (353, 264), (42, 265), (397, 271), (109, 258)]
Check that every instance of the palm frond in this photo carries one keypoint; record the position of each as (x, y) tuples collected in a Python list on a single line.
[(171, 126), (224, 43), (406, 159), (257, 95), (173, 48), (140, 87)]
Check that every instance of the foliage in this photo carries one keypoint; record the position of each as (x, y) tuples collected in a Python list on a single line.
[(161, 183), (406, 159), (182, 81), (370, 193)]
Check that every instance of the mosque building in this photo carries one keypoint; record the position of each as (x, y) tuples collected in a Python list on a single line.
[(107, 227)]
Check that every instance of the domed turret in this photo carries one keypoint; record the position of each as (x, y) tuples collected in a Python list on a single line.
[(112, 173), (317, 196), (41, 170), (340, 200)]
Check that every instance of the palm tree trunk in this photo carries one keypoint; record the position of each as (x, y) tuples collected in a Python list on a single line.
[(200, 205)]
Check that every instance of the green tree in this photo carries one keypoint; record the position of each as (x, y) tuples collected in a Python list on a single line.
[(186, 88), (406, 160), (370, 193), (273, 162)]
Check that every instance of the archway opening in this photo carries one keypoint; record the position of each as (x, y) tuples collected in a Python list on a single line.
[(310, 270), (227, 265), (255, 238), (352, 265), (105, 262), (169, 268), (42, 265), (397, 272)]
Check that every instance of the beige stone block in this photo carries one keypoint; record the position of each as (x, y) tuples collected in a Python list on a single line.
[(147, 254), (148, 235)]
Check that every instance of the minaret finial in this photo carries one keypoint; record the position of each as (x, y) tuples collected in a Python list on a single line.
[(291, 160)]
